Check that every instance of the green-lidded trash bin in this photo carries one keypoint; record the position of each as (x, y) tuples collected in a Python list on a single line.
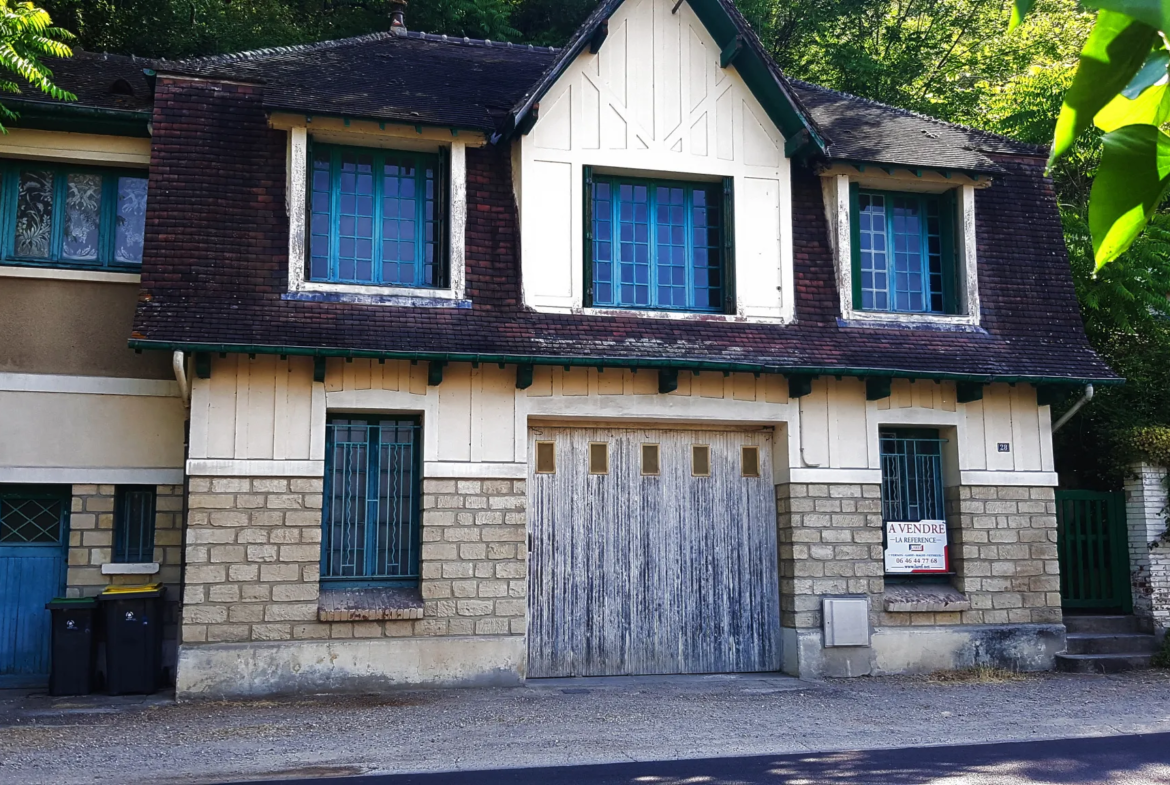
[(133, 622), (71, 668)]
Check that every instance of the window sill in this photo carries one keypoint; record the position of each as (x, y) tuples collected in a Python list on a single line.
[(68, 274), (911, 321), (414, 298), (372, 603), (144, 568), (928, 598), (697, 316)]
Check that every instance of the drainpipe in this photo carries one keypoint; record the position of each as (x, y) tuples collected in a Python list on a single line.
[(1088, 396), (179, 363)]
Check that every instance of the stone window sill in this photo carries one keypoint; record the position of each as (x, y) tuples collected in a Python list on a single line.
[(928, 598), (369, 604), (147, 568)]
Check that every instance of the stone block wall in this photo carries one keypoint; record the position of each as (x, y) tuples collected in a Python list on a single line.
[(254, 562), (91, 540), (1003, 547), (1147, 507)]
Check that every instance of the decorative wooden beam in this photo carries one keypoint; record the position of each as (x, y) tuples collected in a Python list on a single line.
[(529, 120), (319, 369), (599, 36), (877, 387), (799, 385), (203, 365), (968, 392), (667, 380), (435, 372), (523, 376), (730, 52)]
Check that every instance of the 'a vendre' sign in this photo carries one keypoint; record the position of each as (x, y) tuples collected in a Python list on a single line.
[(916, 547)]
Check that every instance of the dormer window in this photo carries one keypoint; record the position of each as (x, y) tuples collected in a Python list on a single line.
[(657, 244), (376, 217), (903, 257)]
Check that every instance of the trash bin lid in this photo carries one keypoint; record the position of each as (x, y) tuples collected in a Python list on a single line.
[(131, 592), (71, 603)]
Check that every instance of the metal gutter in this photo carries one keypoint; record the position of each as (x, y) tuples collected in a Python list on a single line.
[(608, 362), (45, 116)]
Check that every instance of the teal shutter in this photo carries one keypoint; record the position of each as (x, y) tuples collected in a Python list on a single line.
[(729, 304), (855, 242), (948, 207), (587, 249)]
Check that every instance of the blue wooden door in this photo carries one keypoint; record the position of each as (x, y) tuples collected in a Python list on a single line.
[(33, 534)]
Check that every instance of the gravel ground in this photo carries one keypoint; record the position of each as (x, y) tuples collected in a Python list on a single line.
[(153, 740)]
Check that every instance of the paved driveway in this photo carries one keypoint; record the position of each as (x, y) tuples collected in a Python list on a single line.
[(553, 724)]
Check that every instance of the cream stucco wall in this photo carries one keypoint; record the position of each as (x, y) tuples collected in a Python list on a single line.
[(654, 102), (266, 416)]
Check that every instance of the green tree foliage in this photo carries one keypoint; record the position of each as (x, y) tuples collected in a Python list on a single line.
[(26, 35)]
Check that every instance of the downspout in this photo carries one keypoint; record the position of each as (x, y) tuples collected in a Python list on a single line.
[(1088, 396), (179, 364)]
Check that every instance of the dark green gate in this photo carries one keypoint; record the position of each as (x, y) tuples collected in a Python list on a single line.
[(1094, 551)]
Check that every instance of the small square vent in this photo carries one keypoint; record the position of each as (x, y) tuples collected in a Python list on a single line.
[(846, 621)]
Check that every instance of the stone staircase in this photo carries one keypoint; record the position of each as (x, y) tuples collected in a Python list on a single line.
[(1105, 644)]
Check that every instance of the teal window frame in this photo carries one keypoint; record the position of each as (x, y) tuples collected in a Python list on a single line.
[(947, 292), (134, 524), (430, 273), (10, 170), (720, 195)]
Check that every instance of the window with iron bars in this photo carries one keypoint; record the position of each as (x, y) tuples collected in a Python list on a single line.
[(372, 502), (33, 514), (134, 524), (912, 476)]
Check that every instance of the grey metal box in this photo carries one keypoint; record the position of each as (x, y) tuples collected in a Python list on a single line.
[(846, 621)]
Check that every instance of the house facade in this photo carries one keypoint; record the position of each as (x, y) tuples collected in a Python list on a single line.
[(458, 362)]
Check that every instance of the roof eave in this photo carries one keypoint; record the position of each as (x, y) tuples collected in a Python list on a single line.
[(81, 118)]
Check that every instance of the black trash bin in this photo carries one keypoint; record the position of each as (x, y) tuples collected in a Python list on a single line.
[(73, 646), (133, 626)]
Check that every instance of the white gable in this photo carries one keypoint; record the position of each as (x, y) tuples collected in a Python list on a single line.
[(654, 101)]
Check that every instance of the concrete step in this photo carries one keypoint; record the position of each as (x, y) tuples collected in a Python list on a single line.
[(1101, 663), (1101, 625), (1128, 643)]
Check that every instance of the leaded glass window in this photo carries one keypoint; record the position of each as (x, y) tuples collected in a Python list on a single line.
[(376, 217), (372, 501), (72, 216), (657, 244), (904, 254)]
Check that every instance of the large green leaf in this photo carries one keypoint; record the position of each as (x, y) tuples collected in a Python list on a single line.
[(1154, 13), (1152, 107), (1130, 184), (1115, 51), (1020, 9), (1151, 72)]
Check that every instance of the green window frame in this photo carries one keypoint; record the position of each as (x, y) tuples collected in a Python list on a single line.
[(656, 244), (134, 524), (68, 216), (903, 249), (377, 216)]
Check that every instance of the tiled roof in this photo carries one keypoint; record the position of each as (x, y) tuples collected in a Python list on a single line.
[(414, 78), (103, 81), (862, 130), (216, 268)]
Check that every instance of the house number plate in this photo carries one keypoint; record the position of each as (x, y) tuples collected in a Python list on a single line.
[(1005, 447)]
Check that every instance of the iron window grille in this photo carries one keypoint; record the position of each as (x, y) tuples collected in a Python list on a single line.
[(72, 216), (377, 217), (33, 514), (903, 251), (372, 502), (912, 482), (659, 244), (134, 509)]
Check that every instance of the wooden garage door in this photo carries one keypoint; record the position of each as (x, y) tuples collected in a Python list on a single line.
[(633, 572)]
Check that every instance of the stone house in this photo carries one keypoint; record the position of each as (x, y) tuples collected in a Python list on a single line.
[(459, 362)]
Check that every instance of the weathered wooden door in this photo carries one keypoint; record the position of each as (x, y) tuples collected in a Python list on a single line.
[(1093, 545), (33, 531), (653, 555)]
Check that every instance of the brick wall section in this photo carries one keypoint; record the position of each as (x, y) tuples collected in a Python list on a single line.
[(830, 542), (1147, 505), (254, 555), (91, 540), (1003, 547), (1004, 551)]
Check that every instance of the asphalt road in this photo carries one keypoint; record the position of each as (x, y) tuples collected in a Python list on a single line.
[(1113, 760)]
